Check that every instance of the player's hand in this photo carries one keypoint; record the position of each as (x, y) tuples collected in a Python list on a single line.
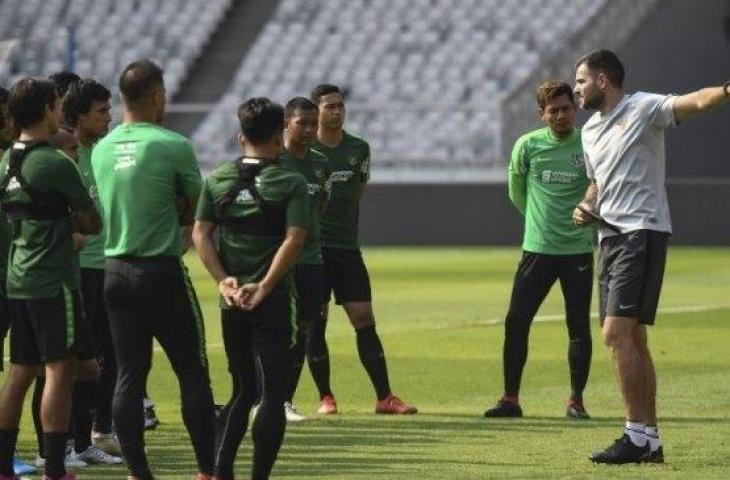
[(79, 241), (580, 217), (228, 288), (251, 295)]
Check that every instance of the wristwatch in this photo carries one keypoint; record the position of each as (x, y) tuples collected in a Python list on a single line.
[(726, 88)]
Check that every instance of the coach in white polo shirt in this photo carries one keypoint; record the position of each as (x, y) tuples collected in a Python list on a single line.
[(623, 144)]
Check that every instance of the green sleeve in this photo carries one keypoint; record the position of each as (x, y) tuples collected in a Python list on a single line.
[(62, 176), (297, 209), (206, 205), (366, 163), (518, 167), (188, 174)]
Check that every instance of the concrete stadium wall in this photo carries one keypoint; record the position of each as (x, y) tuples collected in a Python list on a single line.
[(684, 45)]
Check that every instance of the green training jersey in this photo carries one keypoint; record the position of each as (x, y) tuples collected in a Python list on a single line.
[(248, 256), (316, 171), (547, 178), (140, 169), (42, 260), (350, 165), (92, 255), (6, 236)]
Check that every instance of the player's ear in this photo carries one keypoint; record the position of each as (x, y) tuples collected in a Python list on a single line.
[(241, 140)]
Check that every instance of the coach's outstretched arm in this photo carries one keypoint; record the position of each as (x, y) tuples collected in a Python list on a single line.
[(704, 100), (205, 246), (251, 294)]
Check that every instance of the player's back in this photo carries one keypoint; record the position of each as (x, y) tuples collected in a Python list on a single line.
[(140, 170)]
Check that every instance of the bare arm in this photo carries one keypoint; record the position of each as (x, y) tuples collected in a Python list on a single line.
[(202, 236), (704, 100), (588, 202), (251, 295), (186, 209)]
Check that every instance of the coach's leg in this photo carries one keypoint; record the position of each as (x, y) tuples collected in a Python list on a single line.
[(642, 347), (619, 335)]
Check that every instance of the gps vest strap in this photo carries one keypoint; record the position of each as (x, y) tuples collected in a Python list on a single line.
[(43, 205), (268, 221)]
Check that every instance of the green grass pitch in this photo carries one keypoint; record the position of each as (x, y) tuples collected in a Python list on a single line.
[(439, 313)]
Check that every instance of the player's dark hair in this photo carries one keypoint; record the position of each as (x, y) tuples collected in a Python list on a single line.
[(322, 90), (3, 100), (80, 97), (139, 79), (300, 103), (260, 119), (604, 61), (62, 81), (551, 90), (28, 100)]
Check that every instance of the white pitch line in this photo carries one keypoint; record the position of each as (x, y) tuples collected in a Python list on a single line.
[(541, 318)]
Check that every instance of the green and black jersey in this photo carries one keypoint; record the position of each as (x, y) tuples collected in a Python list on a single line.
[(316, 171), (6, 236), (92, 255), (140, 170), (42, 260), (547, 178), (350, 165), (248, 256)]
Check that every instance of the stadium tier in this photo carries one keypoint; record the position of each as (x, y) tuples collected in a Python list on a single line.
[(102, 36), (440, 88), (424, 79)]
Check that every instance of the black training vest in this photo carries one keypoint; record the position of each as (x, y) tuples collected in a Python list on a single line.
[(270, 221), (43, 205)]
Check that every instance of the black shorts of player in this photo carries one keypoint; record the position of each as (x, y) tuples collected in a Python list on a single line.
[(269, 329), (309, 281), (44, 330), (631, 274), (345, 274)]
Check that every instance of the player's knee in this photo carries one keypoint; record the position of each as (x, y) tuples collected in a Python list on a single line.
[(616, 339)]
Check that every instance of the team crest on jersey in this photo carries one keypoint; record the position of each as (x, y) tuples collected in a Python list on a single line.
[(578, 160), (319, 173), (244, 196), (352, 160)]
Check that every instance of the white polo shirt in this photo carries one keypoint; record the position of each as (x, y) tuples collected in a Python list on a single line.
[(624, 154)]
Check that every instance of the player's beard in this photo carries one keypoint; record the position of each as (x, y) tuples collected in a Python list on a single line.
[(593, 102)]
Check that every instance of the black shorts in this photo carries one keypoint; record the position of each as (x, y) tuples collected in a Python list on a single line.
[(631, 273), (345, 274), (309, 281), (269, 329), (44, 330)]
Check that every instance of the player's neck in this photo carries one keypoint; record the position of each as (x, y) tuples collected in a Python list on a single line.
[(35, 133), (85, 140), (330, 137), (261, 152), (297, 150), (140, 116), (612, 98)]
